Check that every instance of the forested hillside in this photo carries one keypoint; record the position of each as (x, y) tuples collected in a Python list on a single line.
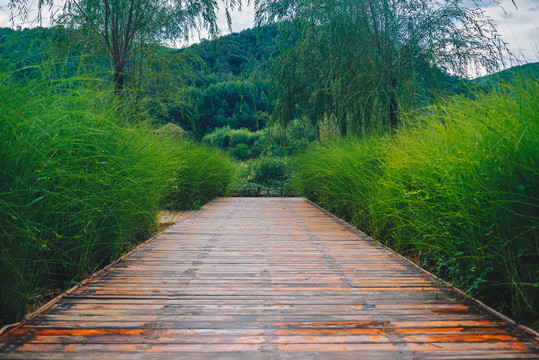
[(223, 82), (511, 75), (219, 83)]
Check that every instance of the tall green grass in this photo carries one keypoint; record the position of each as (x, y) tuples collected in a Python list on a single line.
[(80, 183), (201, 173), (457, 189)]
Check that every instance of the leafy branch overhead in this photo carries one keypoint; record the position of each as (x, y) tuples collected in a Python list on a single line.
[(364, 61), (126, 26)]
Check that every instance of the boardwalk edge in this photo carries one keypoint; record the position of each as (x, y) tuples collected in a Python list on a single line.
[(482, 305), (11, 327)]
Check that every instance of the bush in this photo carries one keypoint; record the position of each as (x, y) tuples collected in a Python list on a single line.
[(274, 140), (458, 190), (285, 140), (240, 152), (78, 185), (226, 137), (201, 174), (270, 172)]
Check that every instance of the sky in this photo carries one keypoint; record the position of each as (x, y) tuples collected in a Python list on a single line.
[(519, 26)]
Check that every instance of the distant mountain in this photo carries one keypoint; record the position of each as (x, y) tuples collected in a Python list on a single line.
[(239, 54), (227, 57), (230, 86), (233, 87), (515, 73), (25, 46)]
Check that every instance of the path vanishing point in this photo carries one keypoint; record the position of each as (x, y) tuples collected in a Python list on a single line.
[(265, 278)]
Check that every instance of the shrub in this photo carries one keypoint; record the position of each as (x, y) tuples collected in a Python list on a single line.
[(458, 190), (226, 137), (240, 152), (79, 185), (274, 140), (270, 172), (201, 174)]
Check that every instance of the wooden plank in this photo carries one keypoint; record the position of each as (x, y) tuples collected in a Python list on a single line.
[(389, 326), (265, 278), (235, 338), (337, 355), (56, 332)]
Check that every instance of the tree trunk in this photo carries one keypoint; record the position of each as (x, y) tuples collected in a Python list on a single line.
[(393, 105), (119, 81), (344, 124), (393, 112), (120, 69)]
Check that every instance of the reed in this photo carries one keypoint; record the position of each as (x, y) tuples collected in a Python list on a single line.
[(457, 190), (80, 183)]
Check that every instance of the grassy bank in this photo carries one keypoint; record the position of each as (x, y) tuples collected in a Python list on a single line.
[(457, 190), (201, 173), (79, 183)]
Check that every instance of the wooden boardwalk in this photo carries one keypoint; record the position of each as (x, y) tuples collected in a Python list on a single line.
[(265, 278)]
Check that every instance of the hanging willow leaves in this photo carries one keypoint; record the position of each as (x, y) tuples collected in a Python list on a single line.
[(364, 61), (126, 27)]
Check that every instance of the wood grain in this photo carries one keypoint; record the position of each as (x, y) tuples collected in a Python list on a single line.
[(265, 278)]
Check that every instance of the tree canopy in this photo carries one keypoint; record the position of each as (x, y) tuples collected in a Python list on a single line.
[(363, 61), (125, 27)]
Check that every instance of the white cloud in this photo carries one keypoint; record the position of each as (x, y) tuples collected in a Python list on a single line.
[(241, 20), (518, 26)]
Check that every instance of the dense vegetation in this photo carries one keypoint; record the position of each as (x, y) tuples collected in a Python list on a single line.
[(458, 191), (231, 87), (364, 62), (273, 140), (206, 86), (83, 173), (80, 182)]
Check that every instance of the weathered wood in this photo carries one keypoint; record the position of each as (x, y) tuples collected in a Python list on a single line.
[(263, 278)]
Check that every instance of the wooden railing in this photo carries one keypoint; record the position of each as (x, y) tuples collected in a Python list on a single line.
[(260, 192)]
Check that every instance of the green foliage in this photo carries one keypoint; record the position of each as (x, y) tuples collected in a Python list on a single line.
[(283, 140), (274, 140), (270, 172), (237, 104), (80, 183), (458, 190), (240, 152), (124, 29), (201, 174), (159, 90), (266, 172), (226, 138), (511, 75), (63, 50), (365, 61), (242, 55), (232, 86), (162, 86), (186, 87), (339, 175)]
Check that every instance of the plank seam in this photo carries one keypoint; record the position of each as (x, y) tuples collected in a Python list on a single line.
[(449, 285), (97, 274)]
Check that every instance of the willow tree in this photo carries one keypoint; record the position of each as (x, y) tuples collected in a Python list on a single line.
[(361, 61), (125, 27)]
